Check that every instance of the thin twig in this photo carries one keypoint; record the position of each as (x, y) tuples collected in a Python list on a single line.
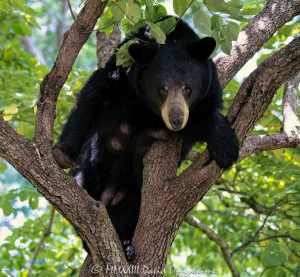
[(190, 4), (38, 248), (193, 221), (258, 231), (71, 10), (287, 236)]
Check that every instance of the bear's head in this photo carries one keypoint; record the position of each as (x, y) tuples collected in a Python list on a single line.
[(172, 78)]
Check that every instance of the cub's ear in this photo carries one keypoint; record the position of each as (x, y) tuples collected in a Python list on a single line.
[(142, 52), (202, 48)]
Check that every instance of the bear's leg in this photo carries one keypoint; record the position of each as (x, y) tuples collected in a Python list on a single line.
[(222, 142), (124, 217), (112, 196)]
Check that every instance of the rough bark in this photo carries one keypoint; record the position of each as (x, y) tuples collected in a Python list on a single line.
[(107, 45), (73, 41), (34, 160), (166, 199), (255, 34), (89, 217), (290, 119)]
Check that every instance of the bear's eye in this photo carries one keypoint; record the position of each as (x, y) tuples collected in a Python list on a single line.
[(187, 92), (163, 92)]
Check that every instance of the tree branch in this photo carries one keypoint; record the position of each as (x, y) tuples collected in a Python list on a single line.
[(73, 41), (289, 137), (255, 144), (258, 231), (166, 199), (252, 100), (89, 217), (107, 45), (193, 221), (285, 236), (71, 10), (45, 234), (254, 35), (290, 118), (245, 244)]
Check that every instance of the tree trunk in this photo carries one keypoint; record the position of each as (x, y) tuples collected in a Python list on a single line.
[(166, 198)]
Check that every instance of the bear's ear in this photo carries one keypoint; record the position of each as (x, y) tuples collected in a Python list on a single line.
[(142, 52), (202, 48)]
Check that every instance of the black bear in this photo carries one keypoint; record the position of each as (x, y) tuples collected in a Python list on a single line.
[(119, 114)]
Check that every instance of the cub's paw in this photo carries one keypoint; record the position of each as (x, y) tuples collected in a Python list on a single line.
[(225, 155), (128, 250), (112, 196), (61, 157), (119, 137)]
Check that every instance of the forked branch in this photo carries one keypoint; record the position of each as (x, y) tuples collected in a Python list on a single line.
[(254, 35)]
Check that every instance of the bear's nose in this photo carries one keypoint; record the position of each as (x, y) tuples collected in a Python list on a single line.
[(176, 120)]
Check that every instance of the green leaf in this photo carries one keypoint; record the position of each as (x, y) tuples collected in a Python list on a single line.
[(133, 12), (122, 56), (296, 234), (21, 28), (216, 22), (273, 255), (118, 9), (20, 4), (149, 6), (3, 166), (216, 5), (157, 33), (159, 12), (12, 109), (202, 21), (233, 30), (226, 46), (6, 207), (181, 6), (4, 6), (215, 35), (167, 25), (106, 21), (23, 195), (235, 13), (33, 202), (276, 272)]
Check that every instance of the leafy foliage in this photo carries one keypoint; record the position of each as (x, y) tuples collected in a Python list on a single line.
[(262, 190)]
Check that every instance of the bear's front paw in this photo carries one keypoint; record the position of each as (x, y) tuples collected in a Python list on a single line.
[(225, 155)]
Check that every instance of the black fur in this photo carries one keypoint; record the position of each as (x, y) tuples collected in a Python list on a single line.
[(109, 158)]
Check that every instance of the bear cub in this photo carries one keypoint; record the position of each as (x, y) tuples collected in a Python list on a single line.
[(172, 87)]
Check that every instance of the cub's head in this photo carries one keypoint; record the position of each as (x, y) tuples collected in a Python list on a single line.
[(172, 78)]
